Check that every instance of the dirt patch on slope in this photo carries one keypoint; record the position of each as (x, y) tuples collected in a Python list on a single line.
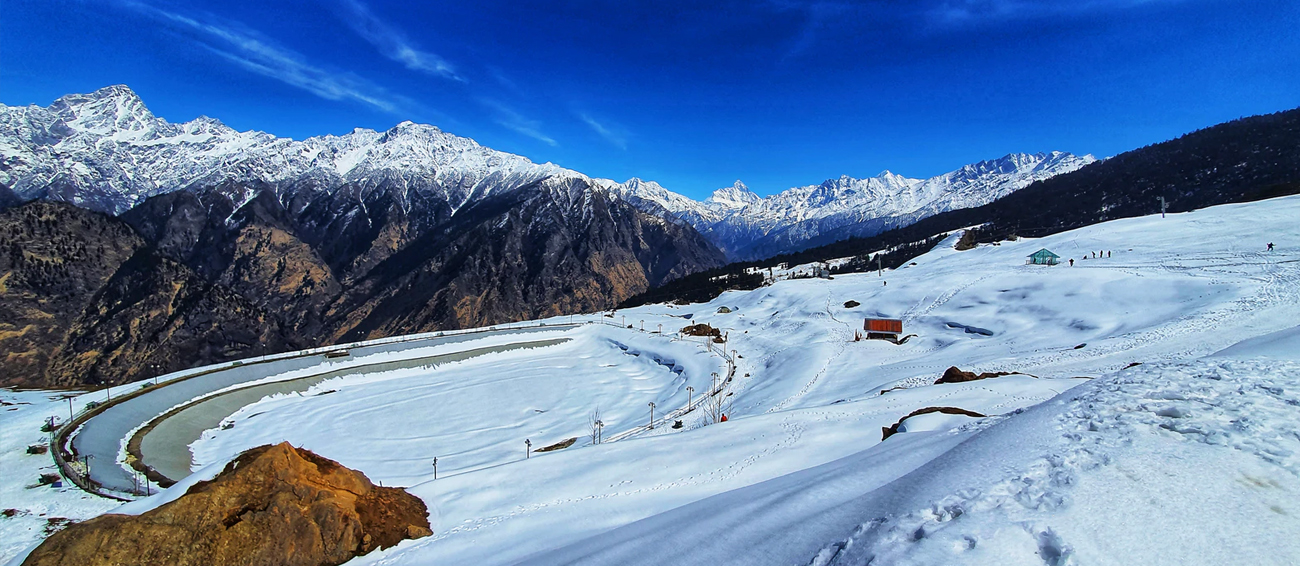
[(954, 375)]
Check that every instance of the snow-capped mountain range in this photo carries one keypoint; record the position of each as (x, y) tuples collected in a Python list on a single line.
[(106, 151), (746, 226)]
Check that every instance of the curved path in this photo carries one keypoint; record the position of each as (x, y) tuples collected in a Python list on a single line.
[(164, 444), (102, 435)]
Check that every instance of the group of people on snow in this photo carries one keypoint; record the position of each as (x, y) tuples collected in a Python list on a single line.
[(1095, 255)]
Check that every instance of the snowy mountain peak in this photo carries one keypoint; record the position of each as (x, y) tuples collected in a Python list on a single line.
[(734, 197), (109, 110)]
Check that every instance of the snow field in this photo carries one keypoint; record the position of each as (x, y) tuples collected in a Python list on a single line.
[(21, 415), (1176, 463), (474, 413)]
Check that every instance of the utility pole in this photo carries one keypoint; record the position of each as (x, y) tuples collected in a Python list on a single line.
[(624, 321), (600, 431), (435, 467), (880, 269), (69, 409), (661, 328), (652, 414), (643, 326), (1164, 205), (528, 448), (689, 392)]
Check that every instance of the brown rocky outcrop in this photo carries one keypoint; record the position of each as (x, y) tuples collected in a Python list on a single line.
[(954, 375), (273, 505), (701, 330), (888, 431)]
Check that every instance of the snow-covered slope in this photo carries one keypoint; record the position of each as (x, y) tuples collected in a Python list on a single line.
[(1085, 458), (746, 226)]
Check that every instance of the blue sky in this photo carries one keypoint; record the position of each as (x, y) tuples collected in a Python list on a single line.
[(694, 95)]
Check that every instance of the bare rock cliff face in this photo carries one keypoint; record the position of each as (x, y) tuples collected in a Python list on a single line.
[(53, 259), (273, 506), (85, 301)]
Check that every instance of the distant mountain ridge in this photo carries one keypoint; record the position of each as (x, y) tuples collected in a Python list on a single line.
[(747, 227)]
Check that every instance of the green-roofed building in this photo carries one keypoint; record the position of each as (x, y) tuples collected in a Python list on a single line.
[(1043, 257)]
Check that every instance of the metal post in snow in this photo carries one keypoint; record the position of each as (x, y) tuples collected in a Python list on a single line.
[(435, 467), (528, 448), (643, 326), (652, 414), (69, 409), (1163, 206), (689, 392)]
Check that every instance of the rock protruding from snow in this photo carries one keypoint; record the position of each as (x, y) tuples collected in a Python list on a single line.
[(271, 505)]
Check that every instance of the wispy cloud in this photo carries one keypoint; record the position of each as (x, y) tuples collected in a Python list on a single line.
[(393, 43), (247, 49), (964, 12), (508, 118), (816, 15), (612, 134)]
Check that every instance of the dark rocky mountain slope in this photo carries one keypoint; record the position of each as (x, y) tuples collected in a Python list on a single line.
[(186, 279), (229, 244), (84, 301)]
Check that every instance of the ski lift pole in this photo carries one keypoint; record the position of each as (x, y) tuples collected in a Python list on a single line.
[(435, 467), (528, 448)]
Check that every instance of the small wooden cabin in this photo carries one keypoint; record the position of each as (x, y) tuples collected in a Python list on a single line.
[(883, 328), (1043, 257)]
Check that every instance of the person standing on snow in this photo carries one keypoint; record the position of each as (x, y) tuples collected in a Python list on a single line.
[(1270, 246)]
